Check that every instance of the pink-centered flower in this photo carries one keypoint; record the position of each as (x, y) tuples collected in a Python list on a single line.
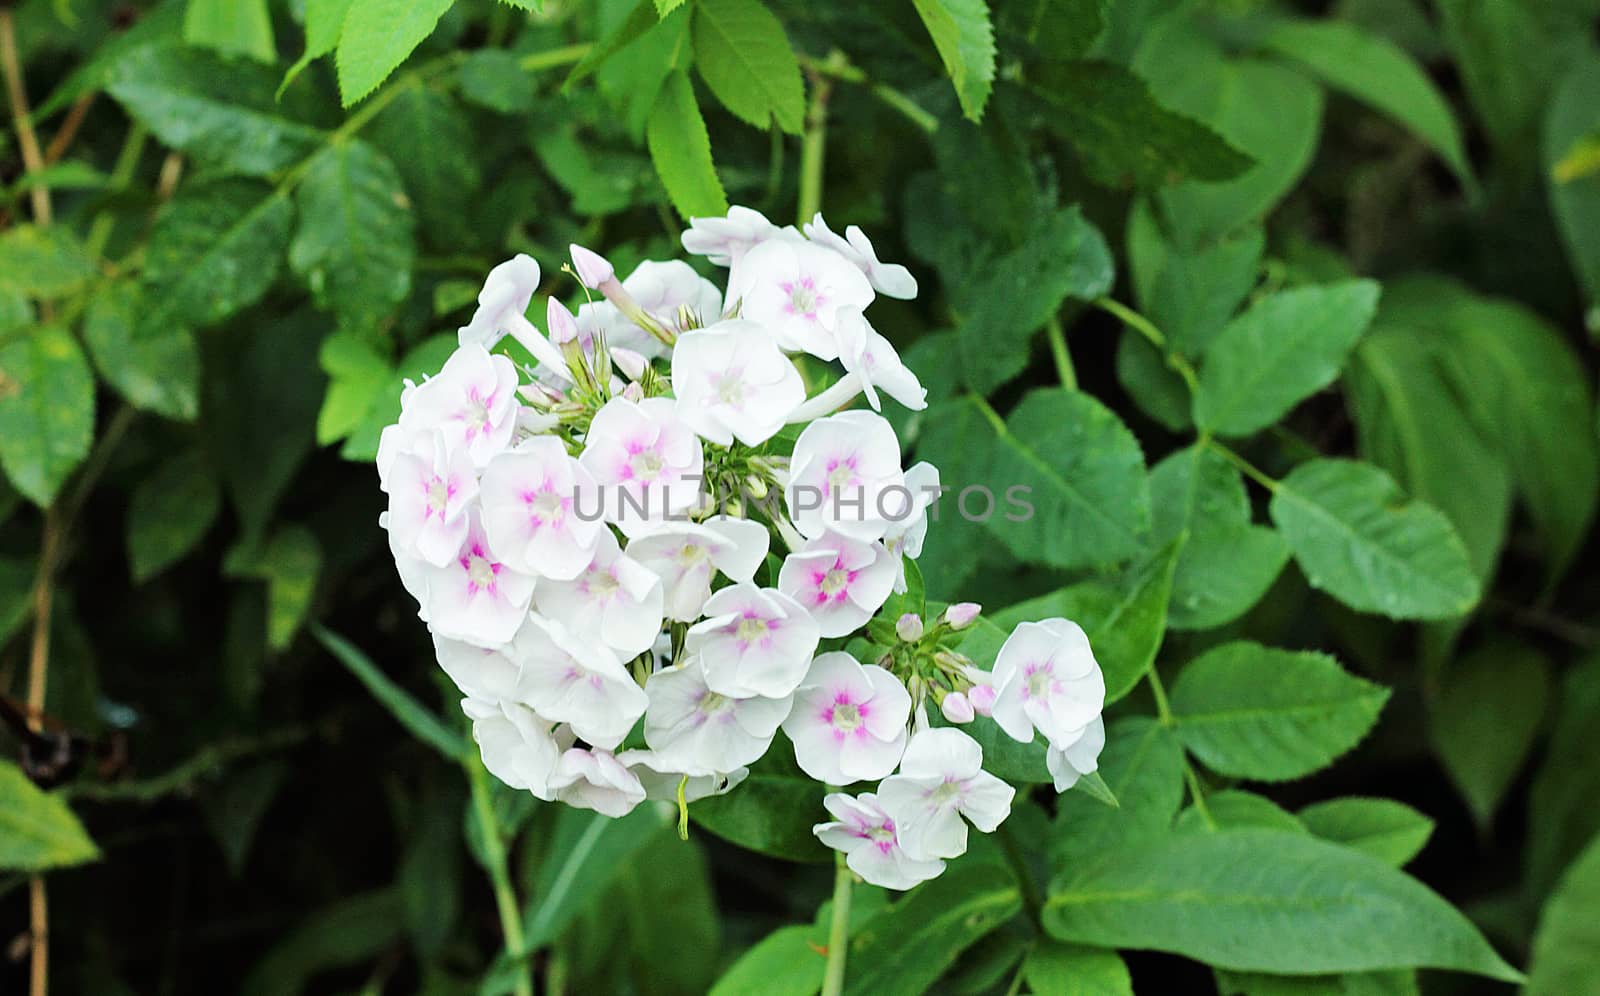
[(699, 732), (848, 723), (474, 597), (532, 497), (941, 779), (615, 600), (431, 488), (733, 382), (845, 476), (472, 403), (646, 460), (753, 641), (1046, 678), (797, 289), (865, 834), (840, 581), (577, 682), (686, 556)]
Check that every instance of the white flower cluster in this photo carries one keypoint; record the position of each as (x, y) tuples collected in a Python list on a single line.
[(587, 540)]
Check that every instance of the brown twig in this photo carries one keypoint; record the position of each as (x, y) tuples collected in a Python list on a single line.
[(63, 137), (32, 158)]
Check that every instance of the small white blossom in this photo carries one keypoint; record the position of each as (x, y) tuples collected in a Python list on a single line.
[(698, 732), (905, 535), (577, 682), (724, 241), (595, 779), (848, 723), (1046, 677), (474, 597), (754, 641), (941, 779), (531, 500), (502, 308), (489, 674), (840, 581), (887, 278), (866, 836), (517, 745), (472, 402), (797, 289), (1069, 762), (733, 382), (685, 556), (873, 362), (615, 600), (647, 461), (845, 475), (430, 490)]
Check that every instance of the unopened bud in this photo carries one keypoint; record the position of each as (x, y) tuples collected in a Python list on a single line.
[(755, 487), (631, 364), (633, 392), (687, 319), (962, 614), (909, 627), (563, 327), (981, 697), (593, 268), (957, 708)]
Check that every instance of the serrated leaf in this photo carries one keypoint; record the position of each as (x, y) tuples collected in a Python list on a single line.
[(681, 150), (1287, 346), (1360, 540), (354, 244), (42, 262), (1485, 717), (376, 38), (642, 19), (1123, 134), (744, 56), (1190, 292), (219, 112), (155, 366), (170, 512), (231, 27), (1390, 831), (37, 830), (46, 410), (1380, 73), (324, 22), (965, 39), (215, 250), (1566, 949), (1265, 900), (904, 950), (442, 186), (1250, 711)]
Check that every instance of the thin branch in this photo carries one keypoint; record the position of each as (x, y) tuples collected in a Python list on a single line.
[(32, 158), (68, 130)]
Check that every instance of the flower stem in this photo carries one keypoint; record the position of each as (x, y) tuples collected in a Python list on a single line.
[(838, 928), (1164, 714), (813, 146), (842, 70), (27, 140), (495, 852), (1249, 469), (1058, 350), (1145, 327)]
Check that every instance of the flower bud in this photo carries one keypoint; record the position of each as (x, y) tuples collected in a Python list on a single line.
[(909, 627), (593, 268), (962, 614), (957, 708), (631, 364), (633, 392), (755, 487), (981, 697), (563, 327)]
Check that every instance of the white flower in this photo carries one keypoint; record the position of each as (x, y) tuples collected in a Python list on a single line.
[(796, 289), (474, 597), (698, 732), (661, 781), (849, 720), (534, 502), (732, 381), (845, 475), (1045, 676), (595, 779), (430, 490), (484, 673), (905, 535), (957, 708), (593, 268), (942, 779), (412, 569), (647, 461), (872, 360), (1069, 762), (866, 836), (661, 290), (685, 555), (887, 278), (518, 747), (840, 581), (724, 241), (582, 684), (615, 600), (502, 308), (753, 641), (473, 402)]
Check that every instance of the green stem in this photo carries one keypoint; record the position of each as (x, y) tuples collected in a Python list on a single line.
[(1159, 691), (551, 58), (1164, 714), (814, 144), (495, 852), (842, 70), (1249, 469), (1145, 327), (1058, 349), (121, 176), (838, 928)]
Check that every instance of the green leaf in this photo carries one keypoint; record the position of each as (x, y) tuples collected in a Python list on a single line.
[(430, 871), (586, 852), (681, 150), (42, 262), (1402, 982), (1566, 949), (1562, 816), (1233, 809), (357, 378), (443, 186), (1390, 831), (642, 19), (37, 830), (1358, 538), (1484, 720), (1056, 29), (416, 718), (1265, 900), (1124, 135), (1142, 763), (354, 244), (902, 951), (170, 512), (494, 78), (231, 27), (1157, 389), (69, 175), (781, 964), (352, 931), (1226, 564), (215, 250), (1569, 149), (1286, 347), (1380, 73), (46, 410), (1190, 292), (377, 36), (289, 562), (1074, 970), (217, 111), (1064, 255), (744, 57), (324, 22), (771, 811), (1250, 711), (234, 807), (965, 39), (154, 365)]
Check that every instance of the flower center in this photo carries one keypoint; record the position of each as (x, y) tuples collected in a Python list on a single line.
[(691, 554), (947, 792), (645, 464), (477, 411), (846, 717), (480, 572), (835, 581), (883, 833), (711, 703), (1039, 681), (438, 496), (752, 629), (730, 391), (841, 475), (600, 584), (548, 507)]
